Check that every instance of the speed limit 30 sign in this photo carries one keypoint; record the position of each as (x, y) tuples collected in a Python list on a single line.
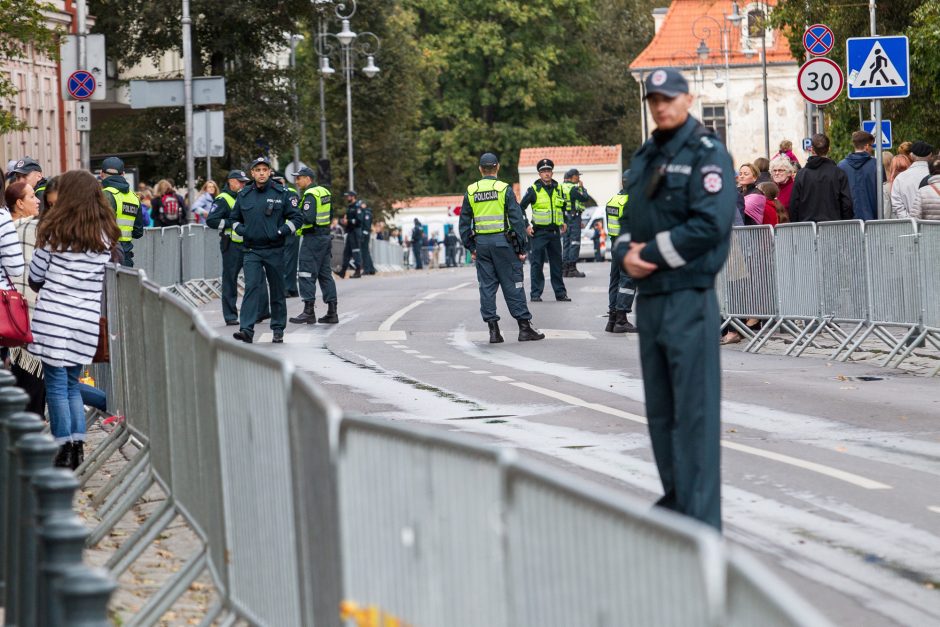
[(820, 81)]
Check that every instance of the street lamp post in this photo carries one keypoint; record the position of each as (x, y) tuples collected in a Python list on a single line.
[(294, 40), (702, 33)]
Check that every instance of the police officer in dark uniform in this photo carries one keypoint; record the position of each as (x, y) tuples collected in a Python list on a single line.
[(492, 227), (229, 242), (365, 237), (291, 246), (577, 198), (265, 214), (126, 206), (450, 247), (417, 243), (28, 169), (315, 250), (682, 202), (547, 200), (620, 288), (352, 253)]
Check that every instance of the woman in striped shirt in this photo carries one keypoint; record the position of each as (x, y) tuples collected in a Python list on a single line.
[(73, 245)]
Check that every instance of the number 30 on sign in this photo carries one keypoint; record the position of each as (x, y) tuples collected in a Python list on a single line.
[(820, 81)]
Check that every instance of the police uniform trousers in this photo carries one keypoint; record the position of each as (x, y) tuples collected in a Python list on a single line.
[(498, 266), (450, 256), (232, 258), (316, 261), (291, 252), (417, 250), (364, 240), (261, 264), (620, 288), (546, 243), (572, 238), (352, 254), (682, 381), (128, 249)]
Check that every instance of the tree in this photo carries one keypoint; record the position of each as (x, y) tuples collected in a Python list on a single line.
[(23, 26)]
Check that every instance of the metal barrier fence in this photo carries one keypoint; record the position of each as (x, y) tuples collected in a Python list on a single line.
[(850, 280)]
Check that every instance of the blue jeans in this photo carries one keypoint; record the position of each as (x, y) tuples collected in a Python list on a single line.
[(93, 397), (64, 398)]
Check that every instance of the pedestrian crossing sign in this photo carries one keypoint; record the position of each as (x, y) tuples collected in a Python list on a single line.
[(878, 67)]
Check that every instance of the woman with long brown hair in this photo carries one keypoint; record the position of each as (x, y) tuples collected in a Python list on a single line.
[(73, 244)]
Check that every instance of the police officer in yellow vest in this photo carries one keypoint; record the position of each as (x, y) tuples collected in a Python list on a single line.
[(315, 261), (576, 196), (620, 289), (492, 228), (126, 206), (548, 204)]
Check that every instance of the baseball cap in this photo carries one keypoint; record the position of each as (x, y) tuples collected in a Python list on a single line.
[(488, 160), (112, 165), (27, 165), (545, 164), (572, 172), (666, 81), (265, 160), (304, 171), (350, 192), (238, 175), (918, 149)]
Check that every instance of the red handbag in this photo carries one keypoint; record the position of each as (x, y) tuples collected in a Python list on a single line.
[(14, 318)]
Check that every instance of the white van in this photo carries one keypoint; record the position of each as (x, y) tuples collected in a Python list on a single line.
[(589, 217)]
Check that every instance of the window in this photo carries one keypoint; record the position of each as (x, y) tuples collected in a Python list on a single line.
[(715, 118), (753, 27)]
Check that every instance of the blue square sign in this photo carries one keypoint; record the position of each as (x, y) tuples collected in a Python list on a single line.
[(878, 67), (869, 127)]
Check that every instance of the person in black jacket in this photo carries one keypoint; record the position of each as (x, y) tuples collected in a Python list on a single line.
[(821, 190)]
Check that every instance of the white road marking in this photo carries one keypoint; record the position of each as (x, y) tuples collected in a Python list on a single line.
[(440, 362), (934, 508), (499, 377), (411, 351), (479, 372), (385, 335), (397, 345), (391, 341), (457, 287), (457, 367), (424, 356), (392, 319), (574, 400)]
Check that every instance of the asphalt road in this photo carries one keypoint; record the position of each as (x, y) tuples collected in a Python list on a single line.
[(829, 479)]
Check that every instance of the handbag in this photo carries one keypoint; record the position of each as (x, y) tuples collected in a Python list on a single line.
[(14, 317), (103, 351)]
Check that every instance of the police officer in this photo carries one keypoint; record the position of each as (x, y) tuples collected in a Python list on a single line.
[(126, 206), (681, 193), (547, 200), (450, 247), (315, 250), (29, 171), (265, 215), (352, 253), (291, 246), (492, 227), (576, 197), (365, 236), (620, 289), (230, 243), (417, 243)]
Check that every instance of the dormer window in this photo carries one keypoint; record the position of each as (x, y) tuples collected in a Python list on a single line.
[(755, 25)]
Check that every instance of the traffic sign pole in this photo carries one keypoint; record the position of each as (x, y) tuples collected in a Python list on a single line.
[(84, 136)]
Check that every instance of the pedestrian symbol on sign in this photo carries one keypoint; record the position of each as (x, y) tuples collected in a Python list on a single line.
[(878, 71)]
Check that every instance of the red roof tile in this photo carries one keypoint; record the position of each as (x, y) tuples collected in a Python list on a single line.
[(689, 22), (423, 202), (570, 155)]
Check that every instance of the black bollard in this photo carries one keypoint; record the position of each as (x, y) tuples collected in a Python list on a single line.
[(18, 425), (61, 542), (35, 451), (85, 594), (10, 401)]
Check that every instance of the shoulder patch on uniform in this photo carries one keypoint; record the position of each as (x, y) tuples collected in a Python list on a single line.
[(293, 201), (707, 142), (711, 181)]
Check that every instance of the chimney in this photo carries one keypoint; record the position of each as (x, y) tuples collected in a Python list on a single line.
[(659, 16)]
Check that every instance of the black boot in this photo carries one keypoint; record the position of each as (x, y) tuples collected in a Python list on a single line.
[(63, 459), (357, 274), (623, 325), (574, 272), (529, 333), (566, 270), (78, 455), (330, 317), (611, 320), (495, 337), (308, 316)]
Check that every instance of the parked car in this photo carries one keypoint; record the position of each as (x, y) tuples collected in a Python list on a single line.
[(589, 217)]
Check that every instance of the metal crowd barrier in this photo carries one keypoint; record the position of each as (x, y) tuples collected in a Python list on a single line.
[(848, 280)]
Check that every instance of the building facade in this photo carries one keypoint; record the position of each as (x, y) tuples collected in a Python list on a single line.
[(601, 167)]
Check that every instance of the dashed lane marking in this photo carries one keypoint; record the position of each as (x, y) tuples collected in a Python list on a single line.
[(479, 372), (458, 367), (411, 351), (934, 508), (424, 356), (440, 363), (499, 377), (457, 287)]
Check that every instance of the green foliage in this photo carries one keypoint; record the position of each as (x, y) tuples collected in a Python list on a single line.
[(23, 26)]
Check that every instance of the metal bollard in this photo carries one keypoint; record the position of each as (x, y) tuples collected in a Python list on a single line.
[(17, 425), (35, 452), (85, 593), (9, 403)]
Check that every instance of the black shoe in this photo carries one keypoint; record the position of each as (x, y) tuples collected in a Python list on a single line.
[(566, 270), (341, 274), (574, 272), (563, 298), (611, 321), (623, 325), (528, 333), (263, 317), (63, 458), (78, 455), (331, 317), (357, 274), (308, 316), (241, 336), (293, 293), (278, 337), (231, 323), (535, 299), (495, 337)]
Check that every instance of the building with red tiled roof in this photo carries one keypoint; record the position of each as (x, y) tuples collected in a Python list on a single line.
[(718, 45), (600, 167)]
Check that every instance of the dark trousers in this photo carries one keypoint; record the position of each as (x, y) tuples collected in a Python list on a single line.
[(682, 380), (316, 257), (291, 251), (352, 255), (417, 250), (364, 241), (620, 288), (546, 243), (232, 259), (572, 238), (498, 266), (450, 256), (128, 249), (261, 263)]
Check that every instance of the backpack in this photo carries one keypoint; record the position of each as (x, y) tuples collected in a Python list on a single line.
[(170, 207)]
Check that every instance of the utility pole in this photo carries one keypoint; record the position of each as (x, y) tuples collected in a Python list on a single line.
[(320, 40), (84, 136), (876, 110), (188, 102)]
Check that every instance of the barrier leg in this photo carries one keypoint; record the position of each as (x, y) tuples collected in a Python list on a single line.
[(921, 339), (212, 614), (848, 338), (117, 512), (131, 549), (102, 453), (132, 468), (901, 344), (764, 335), (128, 486), (175, 587)]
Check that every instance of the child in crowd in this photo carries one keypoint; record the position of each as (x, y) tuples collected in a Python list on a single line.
[(774, 211), (786, 149)]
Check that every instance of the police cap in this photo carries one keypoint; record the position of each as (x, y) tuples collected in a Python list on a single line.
[(305, 171), (666, 81), (265, 160), (238, 175), (572, 172), (112, 165), (488, 160), (26, 165), (350, 192), (545, 164)]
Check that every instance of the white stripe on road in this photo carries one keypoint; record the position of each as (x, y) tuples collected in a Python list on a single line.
[(574, 400), (456, 367), (934, 508), (479, 372), (392, 319), (411, 351), (440, 362), (499, 377), (457, 287)]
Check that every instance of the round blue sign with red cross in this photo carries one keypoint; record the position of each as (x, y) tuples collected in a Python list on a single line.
[(818, 40), (81, 85)]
